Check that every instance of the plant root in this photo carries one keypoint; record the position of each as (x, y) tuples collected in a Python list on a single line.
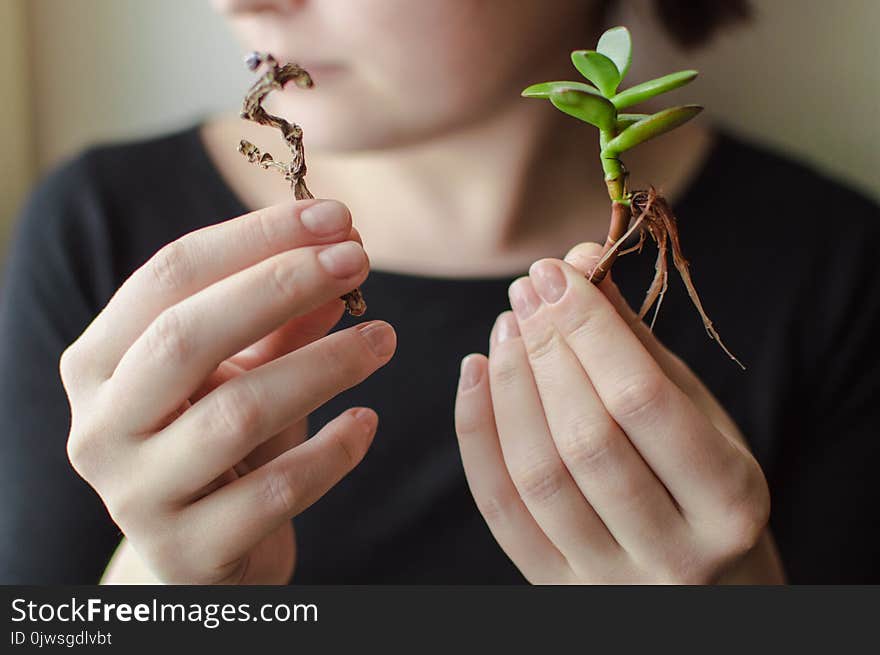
[(655, 218), (294, 171)]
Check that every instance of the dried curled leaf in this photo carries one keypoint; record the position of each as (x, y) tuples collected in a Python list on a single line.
[(275, 77)]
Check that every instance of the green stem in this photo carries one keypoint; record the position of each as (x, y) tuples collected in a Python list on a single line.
[(615, 175)]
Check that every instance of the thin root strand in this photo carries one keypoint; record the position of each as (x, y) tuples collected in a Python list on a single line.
[(657, 219)]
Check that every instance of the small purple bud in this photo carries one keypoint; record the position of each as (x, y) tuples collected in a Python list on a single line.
[(253, 61)]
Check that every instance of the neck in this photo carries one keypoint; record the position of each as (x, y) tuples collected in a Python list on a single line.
[(489, 198)]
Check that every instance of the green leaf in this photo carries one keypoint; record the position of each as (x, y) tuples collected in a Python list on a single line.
[(616, 44), (597, 68), (589, 107), (645, 90), (546, 89), (625, 120), (648, 128)]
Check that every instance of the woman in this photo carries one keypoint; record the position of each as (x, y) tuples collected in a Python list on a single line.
[(189, 301)]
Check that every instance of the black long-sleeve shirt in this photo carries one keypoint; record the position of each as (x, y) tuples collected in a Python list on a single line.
[(785, 262)]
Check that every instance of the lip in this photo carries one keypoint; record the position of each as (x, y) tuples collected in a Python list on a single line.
[(320, 70)]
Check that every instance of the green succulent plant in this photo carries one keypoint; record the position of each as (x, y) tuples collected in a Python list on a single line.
[(600, 103)]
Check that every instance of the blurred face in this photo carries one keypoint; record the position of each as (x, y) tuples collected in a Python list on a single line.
[(390, 72)]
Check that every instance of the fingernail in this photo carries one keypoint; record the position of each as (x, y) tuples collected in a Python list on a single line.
[(364, 416), (471, 372), (549, 280), (325, 217), (343, 259), (583, 263), (523, 298), (507, 327), (379, 336)]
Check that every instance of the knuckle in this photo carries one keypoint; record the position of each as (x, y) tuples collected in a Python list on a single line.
[(69, 363), (580, 326), (348, 364), (168, 337), (286, 276), (540, 481), (236, 411), (85, 449), (348, 452), (747, 509), (636, 397), (171, 267), (504, 370), (78, 453), (587, 442), (469, 420), (492, 506), (742, 535), (543, 345), (262, 227), (278, 490)]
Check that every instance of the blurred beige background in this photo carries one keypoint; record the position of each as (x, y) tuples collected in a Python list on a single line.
[(804, 77)]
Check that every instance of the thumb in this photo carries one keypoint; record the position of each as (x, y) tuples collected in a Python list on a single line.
[(584, 257)]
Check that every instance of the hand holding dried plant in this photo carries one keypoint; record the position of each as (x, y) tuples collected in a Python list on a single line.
[(191, 390)]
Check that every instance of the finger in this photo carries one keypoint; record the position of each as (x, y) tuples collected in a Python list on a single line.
[(230, 422), (692, 459), (583, 257), (245, 511), (541, 479), (609, 471), (169, 361), (494, 492), (295, 333), (203, 257)]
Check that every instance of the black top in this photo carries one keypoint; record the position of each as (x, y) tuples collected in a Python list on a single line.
[(785, 262)]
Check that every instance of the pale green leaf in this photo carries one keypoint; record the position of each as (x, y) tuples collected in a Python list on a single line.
[(646, 90), (616, 44), (625, 120), (648, 128), (546, 89), (589, 107), (597, 68)]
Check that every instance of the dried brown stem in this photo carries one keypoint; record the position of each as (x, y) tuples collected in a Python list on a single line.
[(294, 171)]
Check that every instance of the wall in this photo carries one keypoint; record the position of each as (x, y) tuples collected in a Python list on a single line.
[(17, 158), (804, 76), (107, 69)]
